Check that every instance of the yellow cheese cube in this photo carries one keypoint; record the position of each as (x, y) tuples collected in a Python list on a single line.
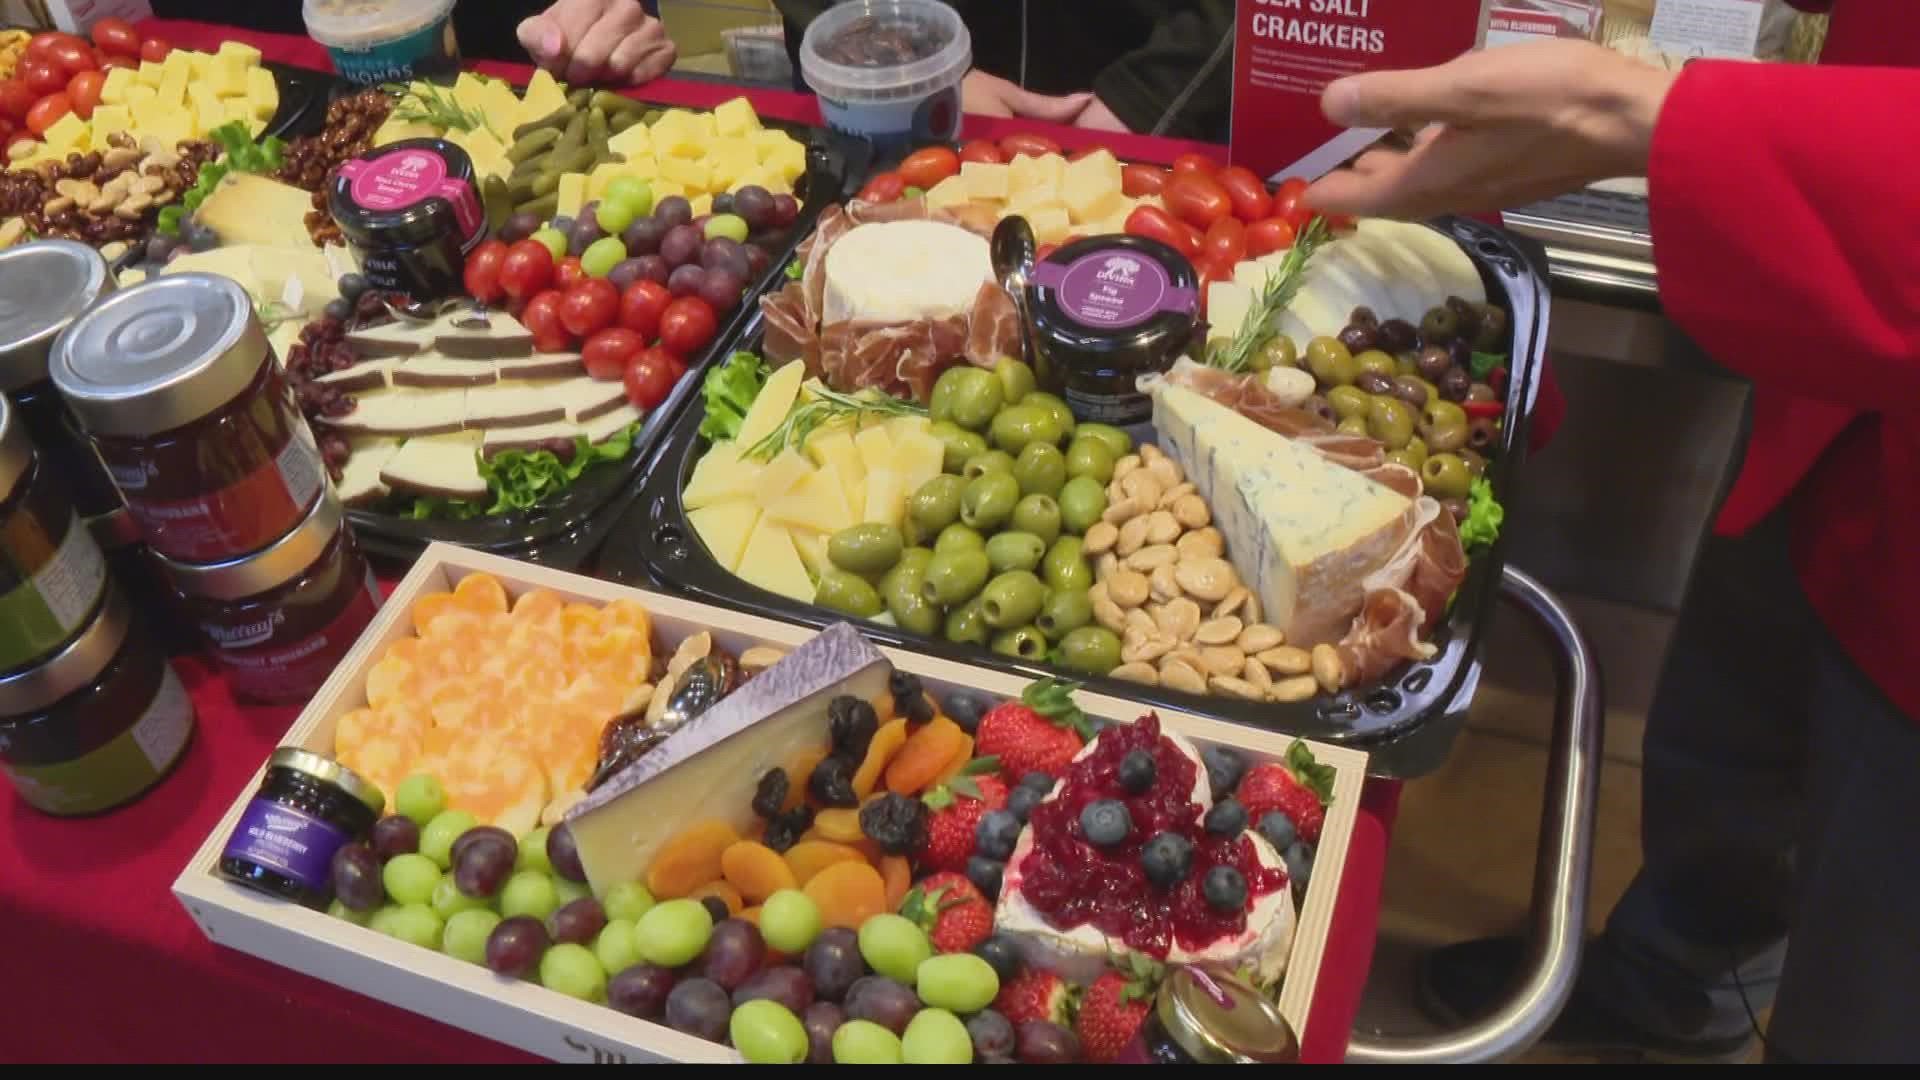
[(469, 92), (663, 187), (573, 194), (262, 109), (247, 55), (150, 72), (985, 179), (757, 175), (172, 90), (172, 129), (150, 112), (735, 117), (768, 140), (1034, 179), (601, 176), (261, 87), (241, 110), (789, 162), (139, 92), (949, 192), (1091, 186), (180, 60), (206, 104), (633, 142), (69, 134), (704, 126), (108, 119), (197, 64), (499, 104), (227, 77), (690, 172), (1050, 223), (643, 166), (701, 204), (681, 142), (544, 95), (114, 90), (730, 159)]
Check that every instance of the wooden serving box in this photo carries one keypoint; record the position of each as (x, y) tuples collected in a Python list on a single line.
[(540, 1021)]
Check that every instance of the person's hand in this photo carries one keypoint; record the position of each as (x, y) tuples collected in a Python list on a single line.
[(989, 95), (1097, 117), (1498, 129), (598, 41)]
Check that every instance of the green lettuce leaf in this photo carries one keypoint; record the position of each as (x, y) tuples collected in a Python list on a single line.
[(730, 389), (1485, 515), (794, 270), (522, 479)]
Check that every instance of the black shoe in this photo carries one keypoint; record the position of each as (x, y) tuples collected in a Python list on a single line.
[(1462, 983)]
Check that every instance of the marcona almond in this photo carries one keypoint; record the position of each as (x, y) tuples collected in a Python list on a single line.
[(56, 205), (152, 185), (1098, 592), (12, 230), (1222, 660), (1206, 543), (1205, 579), (1128, 588), (1106, 566), (1174, 494), (1141, 623), (1166, 472), (1108, 614), (1236, 598), (1162, 528), (1142, 487), (1142, 673), (1260, 637), (1179, 619), (1234, 686), (1328, 669), (1287, 660), (1251, 613), (1100, 538), (1125, 465), (1162, 584), (1219, 631), (1122, 510), (1156, 555), (760, 657), (1178, 675), (1133, 536), (1298, 688), (1144, 650), (1255, 672), (1191, 511), (118, 158), (1149, 453)]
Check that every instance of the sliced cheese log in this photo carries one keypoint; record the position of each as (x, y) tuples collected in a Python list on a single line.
[(432, 369), (405, 412), (1402, 270), (360, 477), (443, 465), (586, 397), (370, 375), (504, 336), (497, 440), (608, 424), (512, 404), (397, 338), (541, 366), (899, 271), (1448, 261)]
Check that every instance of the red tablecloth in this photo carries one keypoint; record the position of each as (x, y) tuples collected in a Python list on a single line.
[(103, 965)]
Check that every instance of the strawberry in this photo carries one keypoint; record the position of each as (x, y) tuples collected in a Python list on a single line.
[(1039, 733), (1300, 789), (1038, 994), (958, 806), (952, 912), (1115, 1006)]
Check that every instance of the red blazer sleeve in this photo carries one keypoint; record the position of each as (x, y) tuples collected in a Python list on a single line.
[(1786, 226)]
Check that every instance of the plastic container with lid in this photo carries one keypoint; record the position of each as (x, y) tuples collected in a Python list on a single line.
[(888, 70), (1203, 1018), (381, 41), (411, 211), (44, 286), (52, 576), (96, 724), (1107, 310), (280, 620), (191, 412), (307, 808)]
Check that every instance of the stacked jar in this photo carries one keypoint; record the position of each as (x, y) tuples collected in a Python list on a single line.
[(185, 403)]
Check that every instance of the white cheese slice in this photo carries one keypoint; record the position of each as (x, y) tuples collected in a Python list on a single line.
[(1448, 261), (1414, 284), (405, 412), (1227, 306), (366, 375), (519, 438), (899, 271), (360, 476), (433, 369), (398, 338), (541, 366), (1340, 277), (585, 397), (443, 465), (512, 404), (608, 424)]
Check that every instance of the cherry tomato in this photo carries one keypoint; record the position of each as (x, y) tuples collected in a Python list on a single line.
[(1287, 204), (542, 316), (84, 92), (42, 45), (1226, 240), (154, 49), (481, 275), (589, 307), (528, 268), (650, 377), (1194, 165), (883, 188), (983, 151), (688, 325), (1251, 202), (1137, 181), (641, 307), (928, 166), (43, 77), (1269, 235), (608, 352), (1156, 224), (1197, 200), (108, 63), (74, 56), (1029, 143), (16, 97), (47, 112), (116, 37), (567, 273)]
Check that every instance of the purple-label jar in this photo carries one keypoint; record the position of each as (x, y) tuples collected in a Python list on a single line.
[(1114, 288), (1205, 1018), (307, 807), (1107, 310)]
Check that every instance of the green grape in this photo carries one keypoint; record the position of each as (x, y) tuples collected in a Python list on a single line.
[(863, 1042), (465, 937), (437, 836), (618, 946), (573, 971), (936, 1037), (767, 1033), (602, 256), (420, 797), (410, 878), (636, 193), (673, 933), (533, 852), (731, 226), (790, 920), (528, 893), (554, 239), (415, 924), (449, 901), (341, 911), (628, 900), (613, 216), (960, 982), (569, 891), (892, 946)]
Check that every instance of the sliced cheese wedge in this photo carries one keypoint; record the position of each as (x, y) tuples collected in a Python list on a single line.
[(541, 366), (585, 397), (432, 369), (360, 478), (496, 440), (504, 336), (512, 404), (443, 465), (1448, 261), (608, 424), (405, 412), (370, 375), (396, 338)]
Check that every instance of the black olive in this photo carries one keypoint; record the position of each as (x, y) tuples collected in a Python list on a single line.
[(1468, 314), (1433, 363), (1373, 382), (1358, 338), (1363, 316), (1410, 390), (1492, 333), (1398, 336), (1455, 384)]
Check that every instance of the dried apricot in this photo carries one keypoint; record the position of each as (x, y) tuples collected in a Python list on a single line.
[(848, 894), (798, 770), (727, 893), (756, 870), (481, 594), (750, 914), (925, 757), (898, 876), (883, 708), (808, 857), (959, 761), (886, 742), (690, 860), (839, 826)]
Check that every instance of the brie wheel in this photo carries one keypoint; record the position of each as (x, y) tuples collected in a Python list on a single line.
[(900, 271)]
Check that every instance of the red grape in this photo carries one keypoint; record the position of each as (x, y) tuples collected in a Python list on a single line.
[(478, 832), (395, 835), (992, 1034), (579, 921), (356, 878), (686, 280), (673, 210), (682, 244), (823, 1018), (643, 236), (641, 991), (700, 1008), (734, 952), (721, 289), (786, 208), (1039, 1042), (833, 962), (883, 1001), (787, 985), (755, 206), (564, 856), (514, 947), (482, 866)]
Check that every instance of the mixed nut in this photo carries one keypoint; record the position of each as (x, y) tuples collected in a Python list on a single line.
[(102, 196)]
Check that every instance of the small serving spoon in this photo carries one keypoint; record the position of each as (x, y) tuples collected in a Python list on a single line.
[(1011, 251)]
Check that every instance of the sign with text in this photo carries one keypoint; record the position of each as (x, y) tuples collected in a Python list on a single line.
[(1285, 52)]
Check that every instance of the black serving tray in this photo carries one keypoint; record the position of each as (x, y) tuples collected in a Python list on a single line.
[(304, 96), (1405, 721)]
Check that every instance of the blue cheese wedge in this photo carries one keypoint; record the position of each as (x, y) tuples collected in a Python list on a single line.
[(900, 271)]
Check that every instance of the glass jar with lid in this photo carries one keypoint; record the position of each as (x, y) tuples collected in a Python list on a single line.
[(1204, 1018), (411, 211), (307, 807), (1107, 310), (52, 576)]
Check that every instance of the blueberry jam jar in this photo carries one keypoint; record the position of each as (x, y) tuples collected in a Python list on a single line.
[(1203, 1018), (411, 211), (308, 806), (1107, 310)]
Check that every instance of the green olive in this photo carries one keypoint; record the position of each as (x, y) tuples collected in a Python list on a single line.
[(957, 537), (848, 594), (1090, 457), (1019, 425), (1065, 610), (1348, 401), (900, 590), (1352, 425), (1037, 514), (954, 577), (1446, 476), (1119, 444), (1014, 551), (1064, 566), (1388, 420), (1329, 361), (976, 398), (988, 500), (1447, 436), (967, 624), (1413, 455), (1094, 650), (1016, 379), (1439, 412), (1375, 360), (914, 535), (866, 549), (1012, 599), (1408, 364), (1440, 326), (991, 461), (1041, 469), (909, 572), (1026, 643), (940, 402), (960, 444), (1491, 334), (1062, 415), (1280, 352), (937, 504)]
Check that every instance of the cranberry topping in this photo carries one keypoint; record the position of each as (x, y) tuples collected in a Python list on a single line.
[(1072, 883)]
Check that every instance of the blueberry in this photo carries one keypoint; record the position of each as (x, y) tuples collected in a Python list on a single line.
[(1227, 818), (1002, 955), (1106, 822), (351, 286), (338, 309), (985, 875), (966, 708), (992, 1034), (1167, 858), (1038, 781), (722, 204), (1299, 863), (201, 237), (996, 834), (1137, 771), (1278, 829), (1021, 803), (1225, 888), (1224, 769), (561, 223)]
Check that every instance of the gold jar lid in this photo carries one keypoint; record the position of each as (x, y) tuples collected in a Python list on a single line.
[(328, 771), (1220, 1020)]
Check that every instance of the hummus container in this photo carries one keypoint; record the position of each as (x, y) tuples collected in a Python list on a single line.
[(381, 41), (52, 575), (888, 70)]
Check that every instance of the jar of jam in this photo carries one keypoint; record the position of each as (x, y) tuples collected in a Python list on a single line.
[(308, 806), (96, 724), (191, 412), (1107, 310), (411, 211), (1202, 1018), (52, 576), (279, 621), (43, 287)]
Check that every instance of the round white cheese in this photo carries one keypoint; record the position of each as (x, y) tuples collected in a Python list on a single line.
[(899, 271)]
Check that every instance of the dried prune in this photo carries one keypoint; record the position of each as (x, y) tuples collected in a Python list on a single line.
[(851, 722), (832, 781), (898, 824), (784, 830), (910, 698), (771, 793)]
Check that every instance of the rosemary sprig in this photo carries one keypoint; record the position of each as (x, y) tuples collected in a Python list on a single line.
[(1257, 328), (425, 103), (827, 407)]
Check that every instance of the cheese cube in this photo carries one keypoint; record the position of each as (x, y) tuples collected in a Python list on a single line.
[(1035, 178), (985, 179), (1050, 224), (704, 127), (247, 55), (544, 96), (634, 142), (949, 192), (768, 140), (735, 117), (205, 103), (663, 187), (262, 88), (468, 91), (150, 72), (643, 166), (108, 119), (114, 90), (602, 175), (692, 173), (176, 127), (197, 64), (238, 110), (180, 60), (498, 102), (150, 112), (1227, 305), (227, 77), (701, 204), (728, 159), (172, 90), (789, 162), (1091, 186), (760, 176), (69, 134), (573, 194), (139, 92)]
